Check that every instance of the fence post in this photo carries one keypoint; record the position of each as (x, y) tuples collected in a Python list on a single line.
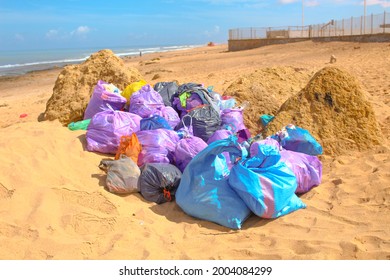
[(351, 25), (334, 28), (372, 23), (384, 22), (361, 25)]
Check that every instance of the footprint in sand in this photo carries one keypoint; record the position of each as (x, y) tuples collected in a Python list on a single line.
[(91, 215), (372, 243), (86, 223), (94, 201), (9, 230), (304, 247), (349, 250), (5, 193)]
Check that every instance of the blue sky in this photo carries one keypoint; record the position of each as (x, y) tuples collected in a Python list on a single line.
[(44, 24)]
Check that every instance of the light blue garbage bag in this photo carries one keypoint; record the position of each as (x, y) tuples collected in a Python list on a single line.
[(298, 139), (265, 183), (204, 191)]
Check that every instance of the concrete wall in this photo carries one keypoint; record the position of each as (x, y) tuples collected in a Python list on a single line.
[(384, 37), (246, 44)]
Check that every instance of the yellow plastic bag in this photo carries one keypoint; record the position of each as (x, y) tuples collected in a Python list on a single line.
[(133, 87)]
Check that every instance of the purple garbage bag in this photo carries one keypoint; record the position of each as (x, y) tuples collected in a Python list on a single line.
[(186, 149), (192, 101), (243, 135), (146, 102), (158, 145), (307, 169), (170, 115), (102, 99), (107, 127), (219, 134), (234, 118)]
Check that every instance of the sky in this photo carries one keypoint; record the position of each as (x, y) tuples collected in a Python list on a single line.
[(50, 24)]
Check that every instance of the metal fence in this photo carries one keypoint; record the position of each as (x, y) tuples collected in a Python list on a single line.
[(371, 24)]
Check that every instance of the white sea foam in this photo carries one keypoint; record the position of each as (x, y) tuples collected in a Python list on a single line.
[(17, 63)]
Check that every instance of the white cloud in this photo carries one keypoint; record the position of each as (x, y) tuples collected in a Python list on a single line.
[(81, 31), (58, 34), (383, 3), (287, 1), (19, 37), (52, 33)]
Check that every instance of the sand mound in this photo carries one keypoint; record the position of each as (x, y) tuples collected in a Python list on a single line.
[(266, 90), (334, 109), (74, 85)]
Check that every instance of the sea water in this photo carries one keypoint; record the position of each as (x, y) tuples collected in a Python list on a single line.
[(18, 62)]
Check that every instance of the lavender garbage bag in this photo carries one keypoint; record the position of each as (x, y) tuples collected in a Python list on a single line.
[(186, 149), (107, 127), (219, 135), (158, 145), (146, 102), (170, 115), (191, 101), (307, 169), (104, 96), (234, 118)]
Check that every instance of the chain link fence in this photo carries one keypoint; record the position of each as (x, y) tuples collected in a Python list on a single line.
[(372, 24)]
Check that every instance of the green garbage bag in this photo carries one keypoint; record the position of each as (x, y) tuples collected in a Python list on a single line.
[(80, 125)]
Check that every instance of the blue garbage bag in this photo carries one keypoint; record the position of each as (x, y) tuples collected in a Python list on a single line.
[(265, 183), (154, 122), (204, 191), (297, 139)]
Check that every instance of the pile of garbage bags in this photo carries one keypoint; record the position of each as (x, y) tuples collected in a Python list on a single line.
[(187, 143)]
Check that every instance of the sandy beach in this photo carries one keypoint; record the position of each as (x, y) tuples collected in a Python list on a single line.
[(54, 204)]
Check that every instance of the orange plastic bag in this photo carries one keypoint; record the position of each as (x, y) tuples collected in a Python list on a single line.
[(130, 146)]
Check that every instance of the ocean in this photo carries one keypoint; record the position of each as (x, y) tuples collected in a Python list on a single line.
[(19, 62)]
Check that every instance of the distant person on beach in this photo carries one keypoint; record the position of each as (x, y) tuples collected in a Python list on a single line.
[(140, 53)]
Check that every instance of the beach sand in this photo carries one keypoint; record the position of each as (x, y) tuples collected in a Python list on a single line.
[(53, 203)]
